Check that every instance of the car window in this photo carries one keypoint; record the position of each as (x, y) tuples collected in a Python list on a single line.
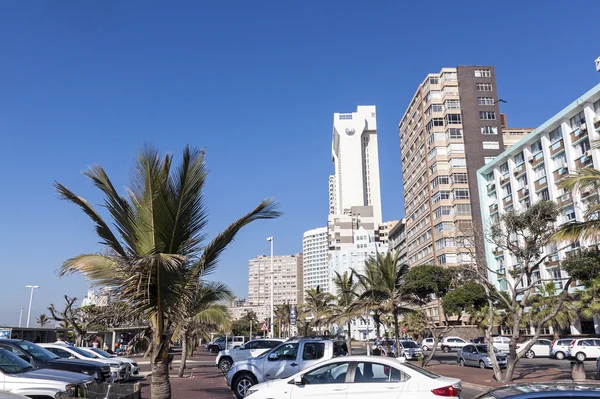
[(409, 344), (334, 373), (15, 351), (544, 342), (340, 349), (313, 350), (468, 349), (585, 342), (460, 340), (251, 345), (286, 351), (367, 372), (271, 344), (37, 351), (60, 353), (597, 342)]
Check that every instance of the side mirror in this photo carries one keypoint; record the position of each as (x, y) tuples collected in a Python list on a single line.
[(298, 380), (273, 356)]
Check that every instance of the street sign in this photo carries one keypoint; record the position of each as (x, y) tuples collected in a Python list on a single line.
[(264, 327), (293, 315)]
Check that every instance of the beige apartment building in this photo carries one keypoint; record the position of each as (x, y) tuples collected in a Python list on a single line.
[(287, 280), (451, 128), (512, 135)]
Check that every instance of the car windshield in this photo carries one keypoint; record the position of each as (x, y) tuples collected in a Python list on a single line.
[(409, 344), (83, 353), (37, 352), (101, 352), (484, 349), (11, 363), (420, 370)]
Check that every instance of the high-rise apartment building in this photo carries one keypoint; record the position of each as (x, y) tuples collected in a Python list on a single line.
[(356, 162), (383, 231), (315, 245), (451, 129), (288, 280), (512, 135), (397, 240), (530, 171)]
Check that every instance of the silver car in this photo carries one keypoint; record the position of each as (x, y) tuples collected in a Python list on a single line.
[(410, 350), (477, 355), (559, 349)]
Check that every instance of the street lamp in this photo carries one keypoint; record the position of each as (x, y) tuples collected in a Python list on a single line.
[(32, 287), (270, 239), (20, 316)]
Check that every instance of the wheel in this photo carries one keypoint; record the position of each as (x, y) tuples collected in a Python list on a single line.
[(214, 349), (425, 348), (530, 354), (462, 362), (559, 355), (445, 349), (242, 384), (481, 364), (224, 365), (580, 356)]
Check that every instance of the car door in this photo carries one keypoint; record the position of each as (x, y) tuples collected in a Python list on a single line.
[(282, 362), (596, 350), (376, 380), (312, 353), (468, 354), (329, 381), (542, 347)]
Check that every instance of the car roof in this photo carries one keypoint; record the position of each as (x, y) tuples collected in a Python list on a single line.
[(536, 390)]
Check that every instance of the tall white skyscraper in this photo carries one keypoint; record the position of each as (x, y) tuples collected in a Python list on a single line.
[(315, 259), (356, 161)]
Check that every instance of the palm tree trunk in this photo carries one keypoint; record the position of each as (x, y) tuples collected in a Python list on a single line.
[(184, 350), (349, 339), (397, 332), (160, 387)]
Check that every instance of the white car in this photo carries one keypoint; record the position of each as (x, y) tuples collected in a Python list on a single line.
[(118, 370), (427, 344), (359, 377), (540, 348), (452, 343), (226, 358), (135, 369), (588, 348)]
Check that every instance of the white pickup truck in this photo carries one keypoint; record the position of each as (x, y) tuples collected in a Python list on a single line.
[(226, 358)]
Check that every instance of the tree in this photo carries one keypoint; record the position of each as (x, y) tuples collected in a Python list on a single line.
[(158, 235), (381, 284), (415, 324), (343, 312), (587, 300), (543, 302), (81, 320), (246, 323), (42, 320), (423, 285), (318, 304)]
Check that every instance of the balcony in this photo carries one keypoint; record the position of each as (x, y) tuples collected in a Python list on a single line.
[(537, 159), (507, 200), (557, 147), (493, 208), (498, 252), (541, 183), (523, 192), (519, 170), (564, 200), (551, 260), (501, 272), (579, 134), (585, 160), (505, 179), (491, 187), (560, 174)]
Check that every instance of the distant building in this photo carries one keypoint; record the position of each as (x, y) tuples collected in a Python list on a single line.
[(383, 230), (315, 259), (239, 308), (341, 228), (100, 297), (287, 275), (397, 240), (512, 135)]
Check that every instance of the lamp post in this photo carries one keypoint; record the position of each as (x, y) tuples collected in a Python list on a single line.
[(270, 239), (20, 316), (32, 287)]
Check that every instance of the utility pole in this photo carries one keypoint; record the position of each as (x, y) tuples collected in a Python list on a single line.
[(20, 316), (271, 335)]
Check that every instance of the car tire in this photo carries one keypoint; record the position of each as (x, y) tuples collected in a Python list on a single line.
[(559, 355), (462, 362), (530, 354), (580, 356), (445, 349), (242, 384), (482, 364), (225, 364), (425, 347), (214, 349)]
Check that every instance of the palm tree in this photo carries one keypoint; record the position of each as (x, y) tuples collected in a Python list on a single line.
[(381, 282), (319, 305), (282, 315), (543, 302), (158, 236), (343, 311), (415, 323), (583, 181), (43, 320), (203, 309), (588, 299)]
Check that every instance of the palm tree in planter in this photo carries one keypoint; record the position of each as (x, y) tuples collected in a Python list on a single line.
[(157, 239)]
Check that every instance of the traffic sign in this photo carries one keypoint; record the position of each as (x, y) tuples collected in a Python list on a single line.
[(264, 327)]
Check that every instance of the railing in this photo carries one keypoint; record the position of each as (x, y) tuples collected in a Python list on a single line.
[(557, 147), (541, 183)]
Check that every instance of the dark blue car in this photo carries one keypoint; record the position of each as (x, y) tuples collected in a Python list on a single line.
[(544, 391)]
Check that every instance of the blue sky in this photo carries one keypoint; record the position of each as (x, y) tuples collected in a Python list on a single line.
[(257, 84)]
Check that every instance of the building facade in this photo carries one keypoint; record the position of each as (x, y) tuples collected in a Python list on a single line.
[(99, 297), (383, 231), (356, 162), (341, 228), (450, 129), (397, 240), (530, 171), (287, 280), (315, 245), (512, 135)]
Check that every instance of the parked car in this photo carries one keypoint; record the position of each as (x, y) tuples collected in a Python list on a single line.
[(477, 355), (9, 395), (410, 350), (219, 344), (20, 377), (540, 348), (452, 343), (559, 349), (226, 358), (588, 348), (41, 358), (359, 377), (598, 368), (426, 344), (282, 361), (135, 369), (546, 390), (118, 370), (499, 342)]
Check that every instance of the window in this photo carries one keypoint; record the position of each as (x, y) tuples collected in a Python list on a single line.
[(559, 161), (485, 100), (539, 172), (582, 147), (444, 243), (504, 168), (487, 160), (442, 211), (489, 130), (597, 107), (577, 120), (462, 209), (453, 119), (519, 158), (444, 226), (483, 87), (452, 104), (434, 122), (522, 181), (334, 373), (434, 108), (555, 135), (441, 195), (458, 163), (506, 190), (487, 115), (491, 145), (459, 178), (367, 372), (461, 193), (313, 350), (536, 147), (483, 73), (544, 195), (569, 214), (285, 352), (440, 180), (60, 353), (454, 133)]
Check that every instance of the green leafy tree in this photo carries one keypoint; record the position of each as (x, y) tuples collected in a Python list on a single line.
[(158, 236), (415, 324)]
